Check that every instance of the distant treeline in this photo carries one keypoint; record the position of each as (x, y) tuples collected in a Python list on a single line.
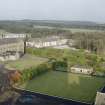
[(27, 26)]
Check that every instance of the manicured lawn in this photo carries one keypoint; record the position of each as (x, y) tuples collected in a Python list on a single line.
[(66, 85), (25, 62)]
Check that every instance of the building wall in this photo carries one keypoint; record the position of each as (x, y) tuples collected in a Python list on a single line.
[(100, 98), (14, 35), (42, 44), (10, 57), (19, 47), (81, 70)]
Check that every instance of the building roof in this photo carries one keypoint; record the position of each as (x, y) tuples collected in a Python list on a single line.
[(45, 39), (8, 41), (82, 66)]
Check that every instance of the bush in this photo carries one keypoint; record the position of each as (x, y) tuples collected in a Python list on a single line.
[(60, 65), (35, 71)]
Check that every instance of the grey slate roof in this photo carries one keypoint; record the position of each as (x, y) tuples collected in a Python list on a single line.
[(8, 41)]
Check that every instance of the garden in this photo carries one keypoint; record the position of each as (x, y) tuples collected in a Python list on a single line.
[(66, 85)]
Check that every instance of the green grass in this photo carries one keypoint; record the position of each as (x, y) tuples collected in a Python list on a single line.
[(25, 62), (66, 85), (79, 57), (74, 57)]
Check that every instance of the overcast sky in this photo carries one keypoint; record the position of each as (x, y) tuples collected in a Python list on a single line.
[(90, 10)]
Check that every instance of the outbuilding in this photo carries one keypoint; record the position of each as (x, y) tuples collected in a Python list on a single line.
[(81, 69)]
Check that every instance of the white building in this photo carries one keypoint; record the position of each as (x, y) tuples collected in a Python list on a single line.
[(100, 98), (81, 69), (46, 42), (13, 35)]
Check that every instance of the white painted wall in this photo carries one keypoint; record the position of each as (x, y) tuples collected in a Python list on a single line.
[(42, 44), (100, 98), (81, 70), (12, 35)]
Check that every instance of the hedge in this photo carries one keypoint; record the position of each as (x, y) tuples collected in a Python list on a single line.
[(32, 72)]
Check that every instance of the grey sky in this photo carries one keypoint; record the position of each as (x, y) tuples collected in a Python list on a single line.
[(91, 10)]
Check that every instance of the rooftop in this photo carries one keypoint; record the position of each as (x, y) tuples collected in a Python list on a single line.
[(8, 41), (82, 66)]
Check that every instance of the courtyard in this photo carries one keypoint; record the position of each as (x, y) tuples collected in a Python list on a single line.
[(66, 85)]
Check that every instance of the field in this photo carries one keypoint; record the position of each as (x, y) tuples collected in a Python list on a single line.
[(73, 30), (25, 62), (66, 85), (70, 29)]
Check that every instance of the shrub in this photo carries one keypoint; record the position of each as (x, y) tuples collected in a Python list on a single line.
[(14, 77), (60, 65), (35, 71)]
